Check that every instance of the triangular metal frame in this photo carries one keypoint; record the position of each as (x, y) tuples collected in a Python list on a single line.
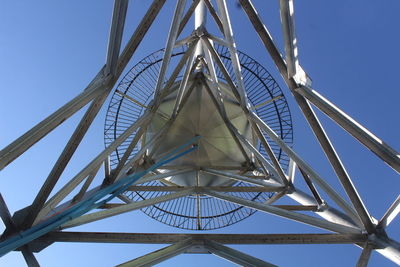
[(351, 222)]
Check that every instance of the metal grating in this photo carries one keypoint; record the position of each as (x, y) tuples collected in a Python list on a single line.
[(135, 92)]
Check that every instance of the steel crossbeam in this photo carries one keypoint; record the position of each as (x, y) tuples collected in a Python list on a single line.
[(232, 239)]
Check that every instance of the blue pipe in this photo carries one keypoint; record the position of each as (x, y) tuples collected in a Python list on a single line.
[(86, 205)]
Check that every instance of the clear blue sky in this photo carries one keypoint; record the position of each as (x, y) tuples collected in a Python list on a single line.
[(50, 50)]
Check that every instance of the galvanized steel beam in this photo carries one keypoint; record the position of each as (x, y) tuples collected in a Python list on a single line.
[(234, 255), (116, 31), (287, 19), (365, 255), (159, 255), (214, 188), (172, 35), (232, 239), (261, 182)]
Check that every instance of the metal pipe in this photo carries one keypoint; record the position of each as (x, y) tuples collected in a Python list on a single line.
[(200, 20)]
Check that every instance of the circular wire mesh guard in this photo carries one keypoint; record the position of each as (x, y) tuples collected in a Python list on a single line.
[(197, 212)]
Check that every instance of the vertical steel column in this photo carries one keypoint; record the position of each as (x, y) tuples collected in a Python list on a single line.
[(311, 118), (228, 33), (187, 16), (365, 255), (200, 20), (116, 31), (172, 35)]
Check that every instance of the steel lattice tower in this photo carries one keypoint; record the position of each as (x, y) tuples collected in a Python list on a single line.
[(199, 136)]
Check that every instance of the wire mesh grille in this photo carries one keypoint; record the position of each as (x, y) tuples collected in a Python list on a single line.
[(196, 212)]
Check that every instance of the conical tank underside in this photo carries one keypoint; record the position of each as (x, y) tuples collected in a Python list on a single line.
[(199, 117)]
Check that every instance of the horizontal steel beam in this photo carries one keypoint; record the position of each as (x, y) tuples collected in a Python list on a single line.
[(154, 177), (214, 188), (183, 166), (285, 207), (243, 178), (233, 239), (297, 207)]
